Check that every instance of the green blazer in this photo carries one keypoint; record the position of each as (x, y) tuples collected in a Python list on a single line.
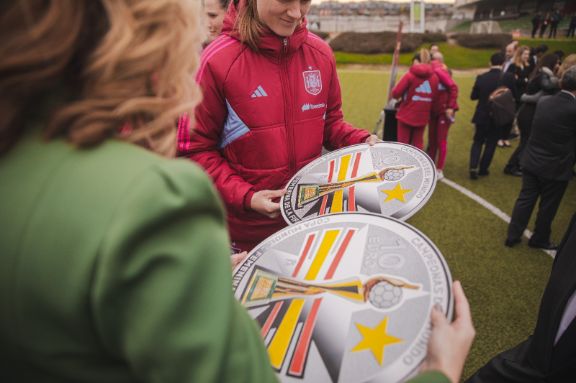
[(115, 267)]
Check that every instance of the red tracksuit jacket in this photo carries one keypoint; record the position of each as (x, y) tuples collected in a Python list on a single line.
[(264, 116), (447, 97), (417, 89)]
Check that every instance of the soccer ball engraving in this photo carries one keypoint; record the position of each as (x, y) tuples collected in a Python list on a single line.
[(394, 175), (384, 295)]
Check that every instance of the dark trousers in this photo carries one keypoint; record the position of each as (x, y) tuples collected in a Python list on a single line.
[(550, 193), (485, 137), (543, 28), (553, 30), (525, 117), (571, 31), (505, 131), (534, 29)]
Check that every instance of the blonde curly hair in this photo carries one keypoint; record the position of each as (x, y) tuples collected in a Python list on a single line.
[(99, 69)]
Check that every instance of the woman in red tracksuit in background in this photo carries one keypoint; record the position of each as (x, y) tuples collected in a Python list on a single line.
[(417, 90), (271, 102), (443, 108)]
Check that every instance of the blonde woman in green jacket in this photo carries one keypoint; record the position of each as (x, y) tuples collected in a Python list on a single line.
[(114, 263)]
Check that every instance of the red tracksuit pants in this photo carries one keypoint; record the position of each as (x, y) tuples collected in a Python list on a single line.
[(438, 139), (412, 135)]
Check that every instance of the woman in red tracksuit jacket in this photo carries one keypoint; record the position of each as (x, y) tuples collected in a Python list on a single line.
[(417, 90), (271, 102), (443, 108)]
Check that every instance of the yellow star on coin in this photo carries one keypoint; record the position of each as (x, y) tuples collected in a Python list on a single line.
[(375, 339), (396, 193)]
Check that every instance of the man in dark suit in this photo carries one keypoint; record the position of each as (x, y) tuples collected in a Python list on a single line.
[(547, 164), (487, 134), (549, 355), (536, 23)]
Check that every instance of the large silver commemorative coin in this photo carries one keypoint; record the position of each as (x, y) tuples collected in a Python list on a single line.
[(345, 298), (389, 178)]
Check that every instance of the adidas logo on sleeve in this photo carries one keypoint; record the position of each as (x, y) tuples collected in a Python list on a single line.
[(259, 92)]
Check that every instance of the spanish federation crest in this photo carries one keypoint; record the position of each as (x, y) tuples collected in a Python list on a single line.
[(312, 81)]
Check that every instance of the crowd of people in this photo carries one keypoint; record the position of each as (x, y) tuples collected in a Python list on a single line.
[(115, 257), (549, 21), (545, 158)]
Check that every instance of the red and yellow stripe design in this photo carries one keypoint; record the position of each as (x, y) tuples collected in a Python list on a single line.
[(318, 260)]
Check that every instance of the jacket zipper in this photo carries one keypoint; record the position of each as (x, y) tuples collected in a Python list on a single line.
[(287, 105)]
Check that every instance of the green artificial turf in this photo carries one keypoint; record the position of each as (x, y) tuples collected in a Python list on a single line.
[(504, 285)]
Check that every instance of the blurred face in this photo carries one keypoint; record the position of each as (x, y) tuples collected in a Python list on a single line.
[(509, 51), (282, 16), (214, 18), (525, 56), (434, 49)]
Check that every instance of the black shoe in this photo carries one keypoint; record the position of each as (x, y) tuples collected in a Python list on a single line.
[(513, 172), (543, 246), (473, 174), (511, 242), (483, 172)]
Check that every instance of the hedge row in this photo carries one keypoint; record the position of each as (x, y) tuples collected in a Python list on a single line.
[(497, 40), (382, 42), (322, 35)]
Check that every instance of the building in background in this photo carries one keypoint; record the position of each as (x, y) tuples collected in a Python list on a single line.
[(373, 16)]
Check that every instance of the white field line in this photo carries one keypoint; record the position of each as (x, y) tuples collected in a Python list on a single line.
[(499, 213)]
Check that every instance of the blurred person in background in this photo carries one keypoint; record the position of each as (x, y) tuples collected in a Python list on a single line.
[(547, 164), (444, 108), (114, 258), (571, 26), (537, 53), (521, 69), (509, 54), (543, 81), (560, 54), (271, 101), (536, 20), (554, 21), (486, 133), (545, 21), (214, 10), (416, 90), (568, 62)]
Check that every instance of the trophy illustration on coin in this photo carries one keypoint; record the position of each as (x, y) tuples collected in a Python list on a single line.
[(381, 291), (311, 192), (388, 178)]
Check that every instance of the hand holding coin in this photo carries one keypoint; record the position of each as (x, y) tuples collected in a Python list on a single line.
[(450, 343), (263, 202)]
